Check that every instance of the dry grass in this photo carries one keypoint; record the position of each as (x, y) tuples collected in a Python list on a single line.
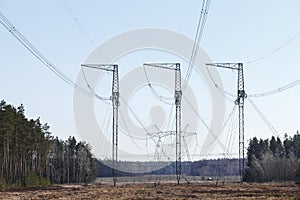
[(163, 191)]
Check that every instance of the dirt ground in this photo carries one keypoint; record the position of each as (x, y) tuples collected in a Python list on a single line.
[(208, 190)]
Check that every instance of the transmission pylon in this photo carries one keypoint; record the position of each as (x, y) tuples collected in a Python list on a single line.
[(159, 144), (115, 104), (178, 94), (241, 96)]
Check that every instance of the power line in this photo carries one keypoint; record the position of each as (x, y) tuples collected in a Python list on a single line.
[(198, 36), (104, 99), (225, 93), (277, 90), (85, 79), (135, 116), (129, 132), (262, 94), (105, 129), (275, 50), (43, 59), (69, 10), (75, 19), (231, 131), (282, 88), (267, 122), (207, 127), (12, 29), (155, 92)]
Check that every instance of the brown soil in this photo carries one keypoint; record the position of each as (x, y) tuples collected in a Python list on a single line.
[(162, 191)]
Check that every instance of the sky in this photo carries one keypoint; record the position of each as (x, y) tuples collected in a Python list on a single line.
[(235, 31)]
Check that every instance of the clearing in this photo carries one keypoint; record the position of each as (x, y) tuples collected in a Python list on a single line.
[(204, 190)]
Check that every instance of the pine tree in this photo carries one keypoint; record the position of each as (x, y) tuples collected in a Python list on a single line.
[(30, 156)]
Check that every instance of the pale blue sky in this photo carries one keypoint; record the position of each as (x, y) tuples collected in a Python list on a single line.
[(235, 31)]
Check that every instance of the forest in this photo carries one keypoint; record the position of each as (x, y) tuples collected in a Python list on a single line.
[(31, 156), (218, 168), (273, 160)]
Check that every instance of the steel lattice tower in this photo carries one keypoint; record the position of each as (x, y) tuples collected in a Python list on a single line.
[(178, 94), (241, 95), (115, 104)]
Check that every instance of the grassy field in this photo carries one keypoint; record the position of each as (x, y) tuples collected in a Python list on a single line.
[(200, 190), (168, 179)]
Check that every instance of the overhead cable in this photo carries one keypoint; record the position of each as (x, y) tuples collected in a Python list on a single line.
[(36, 53), (275, 50), (198, 36), (77, 22), (155, 92), (277, 90), (267, 122)]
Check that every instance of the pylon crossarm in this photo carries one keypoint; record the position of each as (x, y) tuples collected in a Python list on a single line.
[(170, 66)]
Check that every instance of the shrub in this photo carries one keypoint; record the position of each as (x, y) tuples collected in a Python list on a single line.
[(297, 177), (3, 185), (32, 179), (45, 182)]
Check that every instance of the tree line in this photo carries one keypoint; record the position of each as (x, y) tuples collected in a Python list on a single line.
[(273, 160), (31, 156), (214, 167)]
